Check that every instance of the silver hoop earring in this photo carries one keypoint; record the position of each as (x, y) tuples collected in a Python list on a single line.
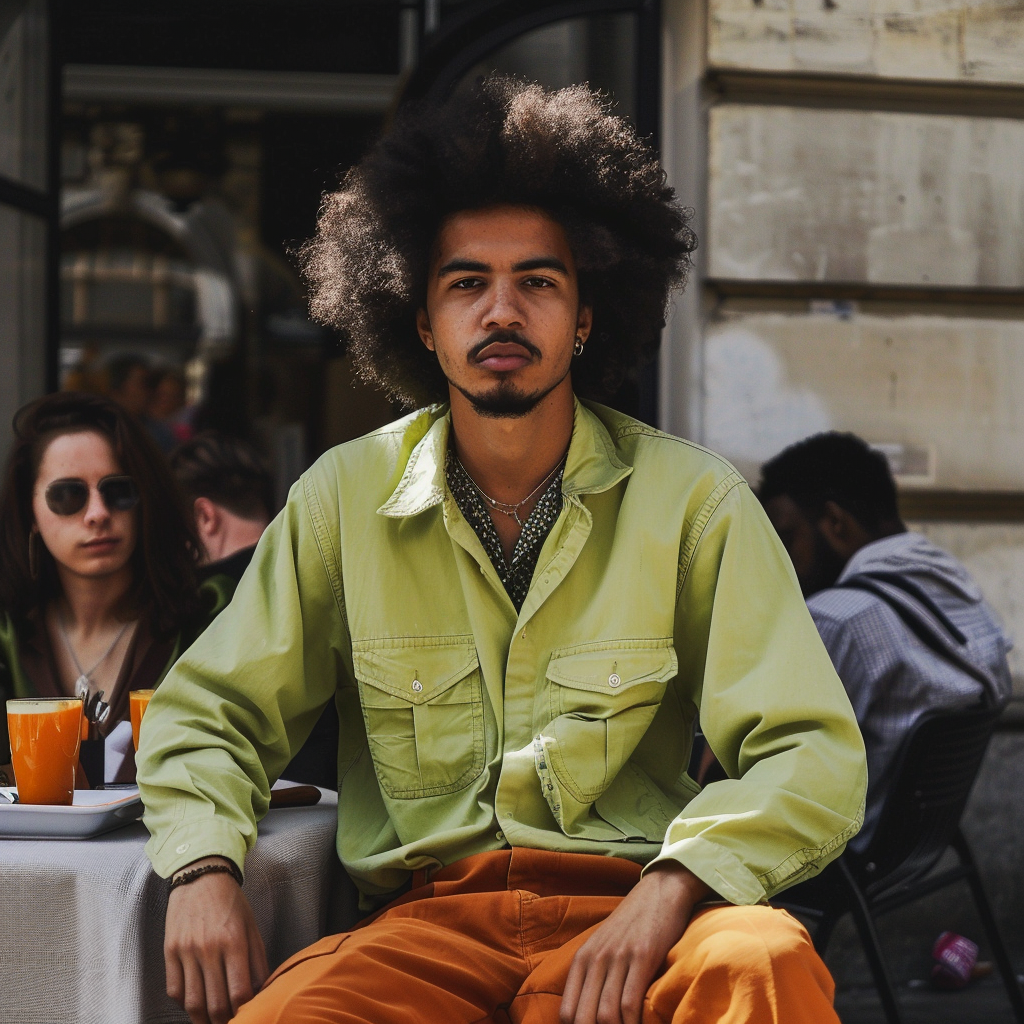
[(577, 349)]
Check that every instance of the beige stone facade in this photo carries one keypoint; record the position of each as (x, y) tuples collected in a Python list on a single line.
[(938, 40), (856, 168)]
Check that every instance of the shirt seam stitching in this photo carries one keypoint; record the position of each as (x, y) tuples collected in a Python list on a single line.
[(696, 531), (322, 536), (661, 435), (807, 855)]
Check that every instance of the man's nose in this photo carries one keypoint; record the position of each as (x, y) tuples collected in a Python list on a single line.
[(503, 308)]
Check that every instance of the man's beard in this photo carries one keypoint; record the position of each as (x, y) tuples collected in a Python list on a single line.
[(505, 400), (828, 566)]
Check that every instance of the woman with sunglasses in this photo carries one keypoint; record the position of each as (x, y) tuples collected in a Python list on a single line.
[(97, 570)]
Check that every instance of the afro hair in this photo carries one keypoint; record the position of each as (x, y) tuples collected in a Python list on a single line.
[(500, 142), (834, 467)]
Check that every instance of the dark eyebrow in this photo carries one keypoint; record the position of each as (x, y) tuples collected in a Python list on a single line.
[(458, 266), (541, 263)]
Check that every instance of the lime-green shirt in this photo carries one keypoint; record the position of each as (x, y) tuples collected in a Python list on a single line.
[(466, 726)]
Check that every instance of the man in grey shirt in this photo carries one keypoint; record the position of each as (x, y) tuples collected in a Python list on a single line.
[(907, 628)]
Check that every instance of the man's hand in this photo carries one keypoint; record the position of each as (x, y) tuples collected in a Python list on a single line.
[(213, 951), (613, 969)]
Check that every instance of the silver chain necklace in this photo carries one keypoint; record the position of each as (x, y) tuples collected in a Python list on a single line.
[(505, 507), (96, 708)]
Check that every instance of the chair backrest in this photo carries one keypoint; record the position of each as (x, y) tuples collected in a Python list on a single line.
[(931, 780)]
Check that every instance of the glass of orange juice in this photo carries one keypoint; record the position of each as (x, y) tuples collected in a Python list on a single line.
[(138, 701), (46, 734)]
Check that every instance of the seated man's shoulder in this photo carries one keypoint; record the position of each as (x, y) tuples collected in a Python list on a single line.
[(854, 624), (368, 468), (674, 463), (839, 606)]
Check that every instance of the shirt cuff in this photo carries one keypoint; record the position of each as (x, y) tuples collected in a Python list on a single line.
[(187, 843), (716, 867)]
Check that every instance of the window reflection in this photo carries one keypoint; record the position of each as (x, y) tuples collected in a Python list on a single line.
[(22, 326), (176, 229), (23, 91)]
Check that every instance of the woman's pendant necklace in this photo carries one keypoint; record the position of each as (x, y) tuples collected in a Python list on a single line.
[(96, 708)]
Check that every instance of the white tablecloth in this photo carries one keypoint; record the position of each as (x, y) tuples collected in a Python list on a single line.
[(82, 922)]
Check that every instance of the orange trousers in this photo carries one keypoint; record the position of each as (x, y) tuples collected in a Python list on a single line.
[(491, 938)]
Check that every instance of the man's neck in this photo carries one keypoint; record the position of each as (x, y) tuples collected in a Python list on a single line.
[(508, 457), (235, 533)]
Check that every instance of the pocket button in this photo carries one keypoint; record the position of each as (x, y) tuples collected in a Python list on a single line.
[(614, 680), (417, 686)]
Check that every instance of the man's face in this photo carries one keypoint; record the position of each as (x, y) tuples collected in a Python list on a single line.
[(502, 310), (134, 394), (816, 562)]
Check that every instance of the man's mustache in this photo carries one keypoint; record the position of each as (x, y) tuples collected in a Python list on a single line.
[(503, 337)]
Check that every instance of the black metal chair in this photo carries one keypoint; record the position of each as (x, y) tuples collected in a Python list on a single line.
[(919, 822)]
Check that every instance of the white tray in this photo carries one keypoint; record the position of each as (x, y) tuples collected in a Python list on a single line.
[(94, 812)]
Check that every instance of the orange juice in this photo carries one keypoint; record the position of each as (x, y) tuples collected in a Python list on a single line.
[(46, 734), (138, 701)]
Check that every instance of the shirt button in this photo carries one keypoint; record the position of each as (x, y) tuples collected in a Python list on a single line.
[(182, 848), (500, 836), (417, 685), (614, 680)]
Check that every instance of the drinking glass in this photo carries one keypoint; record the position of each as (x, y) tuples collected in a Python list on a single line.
[(46, 735)]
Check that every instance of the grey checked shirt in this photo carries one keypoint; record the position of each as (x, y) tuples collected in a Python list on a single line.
[(891, 676)]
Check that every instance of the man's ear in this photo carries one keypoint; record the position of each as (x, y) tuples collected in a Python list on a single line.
[(423, 328), (584, 322), (208, 518), (842, 530)]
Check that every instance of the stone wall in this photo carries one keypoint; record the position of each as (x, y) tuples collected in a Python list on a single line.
[(798, 194), (948, 40), (856, 171)]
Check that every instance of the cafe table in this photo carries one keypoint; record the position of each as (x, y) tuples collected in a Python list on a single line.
[(82, 921)]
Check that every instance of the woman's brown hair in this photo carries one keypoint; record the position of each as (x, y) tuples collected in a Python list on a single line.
[(164, 560)]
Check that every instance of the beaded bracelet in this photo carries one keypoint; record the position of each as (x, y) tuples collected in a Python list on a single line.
[(207, 869)]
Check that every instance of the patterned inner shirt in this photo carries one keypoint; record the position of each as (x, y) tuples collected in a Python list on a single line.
[(515, 575)]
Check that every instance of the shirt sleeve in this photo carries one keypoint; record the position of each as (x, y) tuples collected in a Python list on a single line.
[(860, 670), (243, 698), (772, 709)]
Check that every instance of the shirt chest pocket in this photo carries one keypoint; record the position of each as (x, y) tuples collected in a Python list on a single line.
[(601, 702), (423, 709)]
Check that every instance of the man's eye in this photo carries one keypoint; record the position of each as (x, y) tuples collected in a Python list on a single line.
[(466, 283), (539, 282)]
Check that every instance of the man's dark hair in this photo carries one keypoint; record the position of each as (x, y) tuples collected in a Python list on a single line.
[(226, 470), (120, 369), (834, 467), (502, 142)]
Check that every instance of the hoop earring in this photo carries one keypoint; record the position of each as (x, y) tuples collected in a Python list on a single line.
[(577, 349), (33, 555)]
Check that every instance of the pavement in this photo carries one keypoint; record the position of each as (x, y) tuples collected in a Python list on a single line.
[(983, 1002)]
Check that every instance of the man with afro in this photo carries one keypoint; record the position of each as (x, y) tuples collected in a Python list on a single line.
[(519, 601)]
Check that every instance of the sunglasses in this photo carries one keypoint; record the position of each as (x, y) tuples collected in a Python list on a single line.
[(66, 497)]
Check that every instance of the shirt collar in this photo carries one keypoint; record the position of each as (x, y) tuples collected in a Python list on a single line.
[(592, 465)]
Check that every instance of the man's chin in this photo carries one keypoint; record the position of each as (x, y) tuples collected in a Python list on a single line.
[(504, 402)]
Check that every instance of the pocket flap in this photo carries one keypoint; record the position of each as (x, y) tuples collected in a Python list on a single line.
[(613, 669), (415, 674)]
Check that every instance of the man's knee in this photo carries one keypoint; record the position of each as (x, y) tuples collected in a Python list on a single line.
[(750, 940)]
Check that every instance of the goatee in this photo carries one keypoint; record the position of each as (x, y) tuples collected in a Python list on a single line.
[(505, 400)]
